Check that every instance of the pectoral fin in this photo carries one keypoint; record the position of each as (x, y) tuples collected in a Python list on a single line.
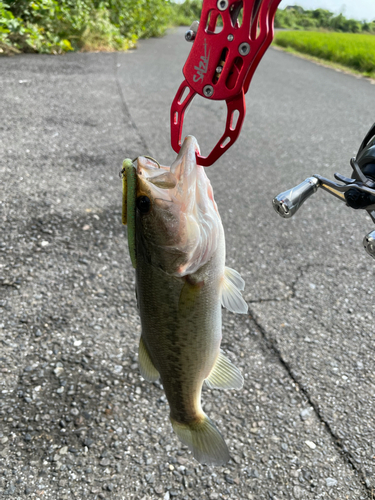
[(146, 366), (224, 375), (231, 297)]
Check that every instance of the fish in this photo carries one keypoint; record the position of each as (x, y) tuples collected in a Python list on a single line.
[(177, 245)]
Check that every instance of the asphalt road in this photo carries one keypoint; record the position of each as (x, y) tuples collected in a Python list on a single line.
[(76, 418)]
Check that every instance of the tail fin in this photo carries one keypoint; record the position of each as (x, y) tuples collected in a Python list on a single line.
[(204, 441)]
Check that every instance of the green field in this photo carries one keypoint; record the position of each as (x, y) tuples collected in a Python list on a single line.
[(352, 50)]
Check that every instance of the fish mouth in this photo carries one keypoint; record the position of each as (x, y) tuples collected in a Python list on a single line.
[(176, 183), (154, 180), (185, 166), (193, 189), (148, 169), (201, 228), (184, 218)]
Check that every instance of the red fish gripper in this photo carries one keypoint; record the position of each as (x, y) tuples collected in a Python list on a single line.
[(221, 64)]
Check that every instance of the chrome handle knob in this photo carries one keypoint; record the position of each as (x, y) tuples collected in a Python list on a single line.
[(286, 204), (369, 243)]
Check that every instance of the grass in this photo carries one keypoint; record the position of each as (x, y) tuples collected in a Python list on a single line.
[(354, 51), (57, 26)]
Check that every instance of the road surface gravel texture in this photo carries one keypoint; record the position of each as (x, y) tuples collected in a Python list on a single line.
[(76, 418)]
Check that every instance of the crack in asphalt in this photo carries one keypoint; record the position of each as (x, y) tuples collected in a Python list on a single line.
[(271, 345), (301, 271), (290, 295), (125, 108)]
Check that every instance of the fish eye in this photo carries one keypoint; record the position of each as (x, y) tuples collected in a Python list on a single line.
[(143, 204)]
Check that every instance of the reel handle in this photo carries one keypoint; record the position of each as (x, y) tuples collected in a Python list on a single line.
[(287, 203), (369, 243)]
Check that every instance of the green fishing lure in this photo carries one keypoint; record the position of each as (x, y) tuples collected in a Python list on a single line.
[(129, 186), (129, 193)]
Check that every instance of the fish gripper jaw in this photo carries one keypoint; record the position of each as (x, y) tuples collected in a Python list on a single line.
[(220, 65)]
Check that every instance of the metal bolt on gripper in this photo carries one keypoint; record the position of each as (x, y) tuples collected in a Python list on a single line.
[(244, 49), (208, 90), (222, 4), (192, 32)]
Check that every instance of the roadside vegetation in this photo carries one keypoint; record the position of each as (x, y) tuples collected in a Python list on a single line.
[(57, 26), (296, 18), (321, 34), (187, 12), (356, 51)]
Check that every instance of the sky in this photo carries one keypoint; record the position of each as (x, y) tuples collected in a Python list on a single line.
[(352, 9)]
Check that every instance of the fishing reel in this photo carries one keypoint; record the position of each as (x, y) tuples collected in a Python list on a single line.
[(358, 192)]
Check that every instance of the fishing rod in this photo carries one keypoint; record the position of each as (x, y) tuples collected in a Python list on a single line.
[(358, 192), (222, 62)]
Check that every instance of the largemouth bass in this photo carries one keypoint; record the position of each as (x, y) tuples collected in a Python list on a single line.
[(176, 241)]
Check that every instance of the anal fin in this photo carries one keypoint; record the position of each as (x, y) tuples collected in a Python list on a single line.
[(224, 375), (146, 366)]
